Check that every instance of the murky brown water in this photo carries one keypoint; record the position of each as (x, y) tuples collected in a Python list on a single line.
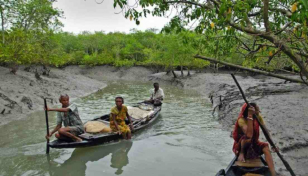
[(185, 140)]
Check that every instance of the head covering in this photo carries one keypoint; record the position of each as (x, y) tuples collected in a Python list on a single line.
[(241, 114)]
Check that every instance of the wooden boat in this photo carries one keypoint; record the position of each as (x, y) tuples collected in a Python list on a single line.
[(256, 167), (92, 139)]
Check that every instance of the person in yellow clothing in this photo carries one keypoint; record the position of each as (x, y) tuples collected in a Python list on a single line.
[(117, 119)]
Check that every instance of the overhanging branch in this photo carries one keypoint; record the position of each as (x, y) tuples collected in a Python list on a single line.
[(188, 2), (251, 69)]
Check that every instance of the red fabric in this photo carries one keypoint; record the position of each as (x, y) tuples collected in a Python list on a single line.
[(238, 135)]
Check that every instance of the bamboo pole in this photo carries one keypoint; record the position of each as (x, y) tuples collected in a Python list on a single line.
[(47, 126), (266, 133)]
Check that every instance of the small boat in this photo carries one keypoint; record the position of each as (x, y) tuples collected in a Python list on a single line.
[(255, 167), (92, 139)]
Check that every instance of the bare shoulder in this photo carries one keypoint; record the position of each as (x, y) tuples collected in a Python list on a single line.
[(242, 122)]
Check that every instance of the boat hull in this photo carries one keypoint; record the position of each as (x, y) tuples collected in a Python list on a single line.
[(235, 170), (99, 139)]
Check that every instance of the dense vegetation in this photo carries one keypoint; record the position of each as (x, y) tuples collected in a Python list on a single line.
[(31, 35), (277, 27)]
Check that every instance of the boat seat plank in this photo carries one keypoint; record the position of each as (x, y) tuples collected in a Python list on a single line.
[(251, 174), (250, 163)]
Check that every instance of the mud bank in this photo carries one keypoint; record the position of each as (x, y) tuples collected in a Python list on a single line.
[(284, 105), (23, 93)]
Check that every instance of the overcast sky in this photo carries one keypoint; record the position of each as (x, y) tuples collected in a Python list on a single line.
[(87, 15)]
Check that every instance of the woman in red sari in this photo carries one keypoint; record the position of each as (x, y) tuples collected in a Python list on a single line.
[(246, 137)]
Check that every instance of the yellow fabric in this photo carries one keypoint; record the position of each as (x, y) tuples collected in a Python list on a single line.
[(242, 121), (120, 119), (96, 127)]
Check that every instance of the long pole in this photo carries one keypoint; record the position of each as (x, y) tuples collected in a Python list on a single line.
[(47, 126), (266, 133)]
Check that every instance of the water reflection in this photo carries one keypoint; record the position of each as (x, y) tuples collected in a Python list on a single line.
[(76, 165), (119, 158)]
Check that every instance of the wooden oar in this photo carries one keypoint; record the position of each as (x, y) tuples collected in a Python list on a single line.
[(47, 126), (266, 133)]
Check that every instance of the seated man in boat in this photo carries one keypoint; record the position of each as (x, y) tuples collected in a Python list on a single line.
[(246, 137), (157, 95), (117, 119), (68, 115)]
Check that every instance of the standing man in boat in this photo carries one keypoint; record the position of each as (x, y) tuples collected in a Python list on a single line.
[(246, 137), (68, 115), (117, 119), (157, 95)]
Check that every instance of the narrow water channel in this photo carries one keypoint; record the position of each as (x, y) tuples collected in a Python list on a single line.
[(185, 140)]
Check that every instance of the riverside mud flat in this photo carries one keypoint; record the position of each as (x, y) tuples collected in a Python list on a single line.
[(23, 93), (284, 105)]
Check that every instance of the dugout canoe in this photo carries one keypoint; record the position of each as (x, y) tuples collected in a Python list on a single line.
[(90, 139), (256, 167)]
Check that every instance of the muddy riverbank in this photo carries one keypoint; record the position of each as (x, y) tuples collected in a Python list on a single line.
[(284, 105), (23, 93)]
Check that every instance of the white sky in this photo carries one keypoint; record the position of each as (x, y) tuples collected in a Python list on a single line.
[(87, 15)]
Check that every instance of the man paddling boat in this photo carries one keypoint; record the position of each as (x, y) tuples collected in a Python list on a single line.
[(68, 115), (157, 95)]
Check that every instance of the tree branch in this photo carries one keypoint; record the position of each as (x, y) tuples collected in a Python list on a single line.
[(188, 2), (301, 75), (302, 54), (248, 49), (284, 28), (283, 11), (265, 14), (278, 43), (256, 50), (271, 57), (254, 14), (251, 69), (245, 29)]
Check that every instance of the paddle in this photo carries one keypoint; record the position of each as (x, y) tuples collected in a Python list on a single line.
[(47, 125), (266, 133)]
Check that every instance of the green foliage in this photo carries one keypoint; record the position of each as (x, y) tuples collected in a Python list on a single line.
[(161, 51), (29, 40), (33, 38), (118, 49), (234, 30)]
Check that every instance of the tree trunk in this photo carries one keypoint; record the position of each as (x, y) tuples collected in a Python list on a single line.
[(182, 74), (251, 69), (2, 24), (174, 75), (188, 71)]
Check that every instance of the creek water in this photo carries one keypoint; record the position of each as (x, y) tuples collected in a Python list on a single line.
[(185, 139)]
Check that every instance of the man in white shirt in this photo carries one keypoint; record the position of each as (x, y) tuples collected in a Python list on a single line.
[(157, 95)]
